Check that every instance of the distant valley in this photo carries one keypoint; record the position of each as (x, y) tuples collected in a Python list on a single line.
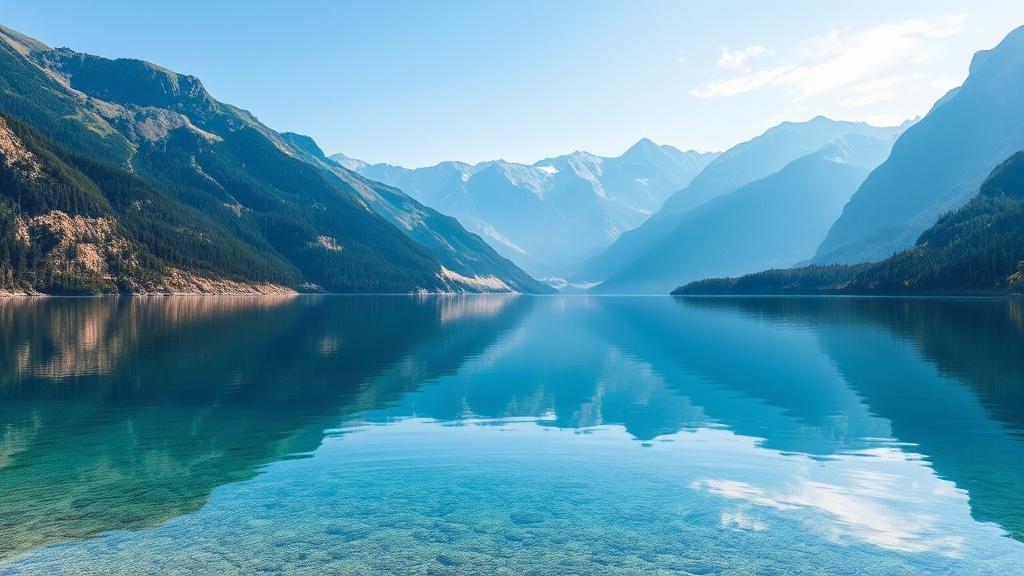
[(768, 201), (549, 216)]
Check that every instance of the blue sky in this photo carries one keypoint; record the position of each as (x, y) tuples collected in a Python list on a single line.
[(417, 82)]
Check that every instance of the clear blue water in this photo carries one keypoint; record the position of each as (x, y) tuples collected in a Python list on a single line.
[(511, 435)]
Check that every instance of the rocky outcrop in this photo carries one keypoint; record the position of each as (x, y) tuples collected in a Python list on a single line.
[(14, 155), (93, 249), (476, 283), (95, 254), (1016, 281), (177, 281), (325, 242)]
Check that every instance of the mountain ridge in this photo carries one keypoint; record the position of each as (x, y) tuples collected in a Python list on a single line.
[(143, 129), (775, 221), (463, 254), (742, 164), (938, 164), (548, 215), (975, 249)]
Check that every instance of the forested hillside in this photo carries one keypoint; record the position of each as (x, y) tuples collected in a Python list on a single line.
[(126, 153)]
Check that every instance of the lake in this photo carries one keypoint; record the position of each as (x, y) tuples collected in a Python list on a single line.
[(511, 435)]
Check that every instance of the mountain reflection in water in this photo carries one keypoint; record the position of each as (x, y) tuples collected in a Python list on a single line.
[(123, 414)]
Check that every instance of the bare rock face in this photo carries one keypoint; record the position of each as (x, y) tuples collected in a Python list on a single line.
[(177, 281), (1016, 281), (15, 156), (146, 123), (21, 231), (326, 242), (76, 246), (460, 283), (95, 254)]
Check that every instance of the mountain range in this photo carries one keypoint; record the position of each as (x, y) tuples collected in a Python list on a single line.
[(938, 164), (120, 176), (976, 248), (547, 217), (775, 221), (944, 213), (461, 253), (123, 176), (652, 258)]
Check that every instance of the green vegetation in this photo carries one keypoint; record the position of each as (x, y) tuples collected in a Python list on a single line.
[(939, 163), (176, 179), (158, 230), (809, 280), (457, 249), (18, 260), (978, 248), (39, 100)]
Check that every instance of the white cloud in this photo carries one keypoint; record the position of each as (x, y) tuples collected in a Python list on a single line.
[(738, 58), (867, 509), (839, 61), (741, 84)]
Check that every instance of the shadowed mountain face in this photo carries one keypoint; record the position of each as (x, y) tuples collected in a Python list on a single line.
[(547, 216), (739, 166), (773, 222), (938, 164), (122, 176), (978, 248)]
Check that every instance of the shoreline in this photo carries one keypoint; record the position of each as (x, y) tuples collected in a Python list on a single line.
[(293, 293), (6, 296), (843, 294)]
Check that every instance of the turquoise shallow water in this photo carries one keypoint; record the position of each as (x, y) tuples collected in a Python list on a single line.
[(511, 435)]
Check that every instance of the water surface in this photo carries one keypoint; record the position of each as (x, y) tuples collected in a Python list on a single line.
[(511, 435)]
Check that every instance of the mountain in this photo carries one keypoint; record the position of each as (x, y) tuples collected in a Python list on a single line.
[(548, 216), (738, 166), (122, 176), (776, 221), (71, 224), (977, 248), (937, 164), (465, 256)]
